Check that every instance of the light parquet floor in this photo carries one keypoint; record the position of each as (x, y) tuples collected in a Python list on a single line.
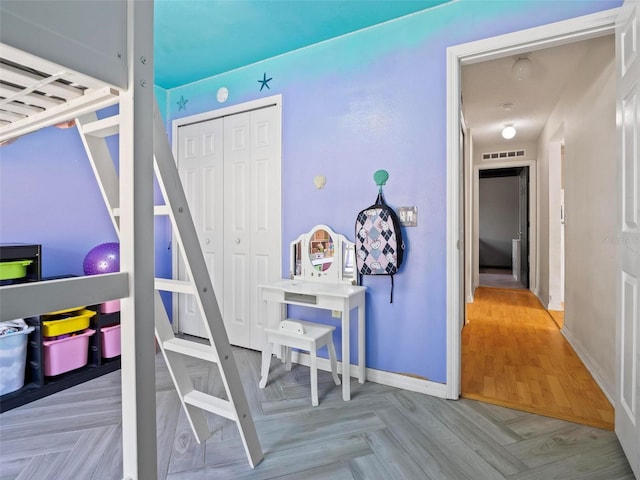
[(514, 355), (382, 433)]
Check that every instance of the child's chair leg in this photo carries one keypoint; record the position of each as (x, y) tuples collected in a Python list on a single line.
[(287, 356), (334, 363), (314, 377), (266, 363)]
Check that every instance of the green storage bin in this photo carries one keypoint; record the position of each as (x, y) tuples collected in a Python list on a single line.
[(15, 269)]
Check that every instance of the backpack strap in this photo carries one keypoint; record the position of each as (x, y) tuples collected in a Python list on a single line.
[(391, 296)]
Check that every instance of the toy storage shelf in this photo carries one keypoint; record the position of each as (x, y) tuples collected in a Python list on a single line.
[(10, 252), (37, 385)]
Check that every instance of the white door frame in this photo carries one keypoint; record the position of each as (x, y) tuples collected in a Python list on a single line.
[(568, 31), (474, 222), (274, 100), (555, 298)]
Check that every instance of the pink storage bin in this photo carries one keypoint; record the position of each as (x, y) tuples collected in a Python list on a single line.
[(110, 307), (66, 354), (110, 341)]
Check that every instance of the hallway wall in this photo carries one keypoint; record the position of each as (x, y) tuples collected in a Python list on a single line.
[(587, 111)]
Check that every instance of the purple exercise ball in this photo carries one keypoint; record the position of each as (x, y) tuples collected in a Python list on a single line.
[(104, 258)]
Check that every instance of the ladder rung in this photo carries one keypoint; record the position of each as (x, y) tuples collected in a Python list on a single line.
[(176, 286), (103, 128), (212, 404), (161, 210), (157, 210), (192, 349)]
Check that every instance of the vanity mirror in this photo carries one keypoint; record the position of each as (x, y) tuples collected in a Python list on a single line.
[(321, 250), (322, 255)]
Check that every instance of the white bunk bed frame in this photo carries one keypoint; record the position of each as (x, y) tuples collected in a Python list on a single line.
[(62, 61), (91, 55)]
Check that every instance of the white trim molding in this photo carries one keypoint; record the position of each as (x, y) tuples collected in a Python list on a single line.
[(589, 364), (390, 379), (533, 212), (559, 33)]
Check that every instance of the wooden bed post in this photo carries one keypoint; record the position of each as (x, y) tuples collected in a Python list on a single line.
[(139, 448)]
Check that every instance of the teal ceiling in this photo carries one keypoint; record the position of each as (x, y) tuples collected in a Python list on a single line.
[(196, 39)]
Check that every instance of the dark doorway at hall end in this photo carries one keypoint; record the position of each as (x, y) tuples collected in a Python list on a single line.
[(504, 227)]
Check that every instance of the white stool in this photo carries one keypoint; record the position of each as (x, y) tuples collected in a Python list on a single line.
[(305, 336)]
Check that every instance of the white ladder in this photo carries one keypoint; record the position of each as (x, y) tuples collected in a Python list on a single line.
[(93, 133)]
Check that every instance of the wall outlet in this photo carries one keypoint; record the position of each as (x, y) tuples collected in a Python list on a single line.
[(336, 314)]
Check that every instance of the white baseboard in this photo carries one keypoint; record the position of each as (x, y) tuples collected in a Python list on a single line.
[(555, 306), (589, 363), (390, 379), (548, 305)]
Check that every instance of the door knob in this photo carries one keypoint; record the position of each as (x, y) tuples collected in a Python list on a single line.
[(237, 241)]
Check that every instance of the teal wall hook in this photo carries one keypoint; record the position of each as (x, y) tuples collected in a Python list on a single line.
[(381, 177)]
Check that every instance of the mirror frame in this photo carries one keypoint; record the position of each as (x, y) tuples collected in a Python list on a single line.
[(336, 272)]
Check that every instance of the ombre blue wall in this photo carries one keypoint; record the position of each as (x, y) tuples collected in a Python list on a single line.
[(375, 99)]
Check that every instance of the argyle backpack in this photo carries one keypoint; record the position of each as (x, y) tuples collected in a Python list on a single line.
[(379, 244)]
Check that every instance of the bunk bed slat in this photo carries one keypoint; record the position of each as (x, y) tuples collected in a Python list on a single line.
[(48, 85), (90, 102), (10, 117), (31, 299), (11, 93), (22, 108)]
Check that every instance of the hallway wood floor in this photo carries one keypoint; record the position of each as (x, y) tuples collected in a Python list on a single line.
[(514, 355), (382, 433)]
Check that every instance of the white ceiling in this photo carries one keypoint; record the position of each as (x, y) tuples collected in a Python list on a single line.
[(487, 86)]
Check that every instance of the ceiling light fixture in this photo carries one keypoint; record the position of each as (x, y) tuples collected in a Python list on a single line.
[(508, 132), (522, 68)]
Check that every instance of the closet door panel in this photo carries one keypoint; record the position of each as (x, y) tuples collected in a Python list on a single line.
[(237, 240), (266, 219), (200, 157)]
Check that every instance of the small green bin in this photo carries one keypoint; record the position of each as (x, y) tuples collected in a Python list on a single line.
[(15, 269)]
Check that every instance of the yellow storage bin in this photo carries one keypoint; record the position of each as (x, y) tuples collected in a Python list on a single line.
[(66, 310), (61, 324)]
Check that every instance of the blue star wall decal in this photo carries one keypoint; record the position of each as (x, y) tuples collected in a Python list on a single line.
[(182, 103), (265, 82)]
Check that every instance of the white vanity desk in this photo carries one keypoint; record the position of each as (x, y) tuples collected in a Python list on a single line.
[(331, 288)]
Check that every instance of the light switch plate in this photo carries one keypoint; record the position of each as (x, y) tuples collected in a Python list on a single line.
[(408, 216)]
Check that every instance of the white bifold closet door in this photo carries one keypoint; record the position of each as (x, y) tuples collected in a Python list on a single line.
[(231, 171)]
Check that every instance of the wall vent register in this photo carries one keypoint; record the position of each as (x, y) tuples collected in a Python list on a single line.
[(509, 154)]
